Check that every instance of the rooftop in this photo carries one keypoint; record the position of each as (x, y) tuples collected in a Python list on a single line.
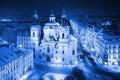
[(9, 54), (52, 24)]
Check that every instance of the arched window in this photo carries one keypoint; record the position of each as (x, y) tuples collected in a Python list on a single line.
[(48, 49), (73, 52), (63, 52), (63, 36), (33, 34)]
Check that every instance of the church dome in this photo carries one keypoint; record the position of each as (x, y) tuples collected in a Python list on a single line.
[(52, 25)]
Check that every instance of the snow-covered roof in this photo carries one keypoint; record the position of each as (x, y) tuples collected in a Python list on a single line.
[(24, 33), (2, 63), (9, 54), (72, 38)]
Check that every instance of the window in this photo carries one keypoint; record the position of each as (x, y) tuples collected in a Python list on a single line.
[(114, 57), (62, 59), (40, 57), (33, 34), (43, 55), (73, 52), (48, 49), (63, 35), (63, 52), (33, 44), (56, 52)]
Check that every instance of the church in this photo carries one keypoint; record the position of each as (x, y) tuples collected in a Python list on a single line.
[(57, 46)]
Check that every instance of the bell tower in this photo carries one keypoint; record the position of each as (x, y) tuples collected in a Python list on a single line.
[(52, 17), (64, 20), (35, 34)]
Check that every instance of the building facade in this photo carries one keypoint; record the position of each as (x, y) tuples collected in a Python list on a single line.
[(103, 44), (14, 63), (58, 45)]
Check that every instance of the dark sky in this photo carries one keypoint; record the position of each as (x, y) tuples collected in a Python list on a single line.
[(90, 6)]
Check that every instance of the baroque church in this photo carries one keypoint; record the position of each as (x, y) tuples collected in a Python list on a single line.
[(57, 45)]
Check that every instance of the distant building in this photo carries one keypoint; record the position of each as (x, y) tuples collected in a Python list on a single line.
[(57, 45), (9, 34), (14, 63), (23, 40), (104, 44)]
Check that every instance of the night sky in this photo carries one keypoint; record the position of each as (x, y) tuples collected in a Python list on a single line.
[(44, 6)]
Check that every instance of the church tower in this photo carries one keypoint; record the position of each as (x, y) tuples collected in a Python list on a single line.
[(52, 17), (35, 15), (64, 32), (35, 35), (64, 20)]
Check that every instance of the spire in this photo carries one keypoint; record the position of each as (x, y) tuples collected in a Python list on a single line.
[(35, 15), (52, 17), (52, 14), (64, 14), (64, 20)]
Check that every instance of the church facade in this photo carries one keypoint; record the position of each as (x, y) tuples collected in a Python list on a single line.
[(57, 45)]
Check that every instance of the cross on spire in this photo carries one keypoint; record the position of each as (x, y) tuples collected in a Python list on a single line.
[(52, 17), (35, 15), (64, 14)]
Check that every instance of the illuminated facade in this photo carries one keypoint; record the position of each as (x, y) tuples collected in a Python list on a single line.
[(57, 45), (14, 63), (103, 45)]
